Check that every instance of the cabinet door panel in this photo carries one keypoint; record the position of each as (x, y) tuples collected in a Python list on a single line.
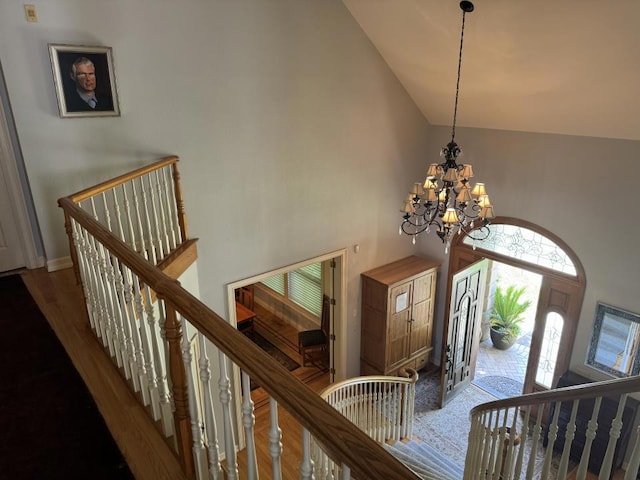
[(420, 327), (423, 288), (398, 328)]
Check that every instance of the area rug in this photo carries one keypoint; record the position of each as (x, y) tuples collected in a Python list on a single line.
[(277, 354), (447, 429), (500, 387), (51, 427)]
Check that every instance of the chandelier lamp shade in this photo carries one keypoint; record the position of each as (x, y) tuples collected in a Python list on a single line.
[(447, 202)]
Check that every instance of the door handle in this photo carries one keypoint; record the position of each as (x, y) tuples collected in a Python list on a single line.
[(448, 362)]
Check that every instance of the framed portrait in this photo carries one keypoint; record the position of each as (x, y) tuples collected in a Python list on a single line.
[(84, 80), (615, 342)]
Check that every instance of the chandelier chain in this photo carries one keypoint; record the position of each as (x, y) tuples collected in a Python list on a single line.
[(455, 107), (447, 201)]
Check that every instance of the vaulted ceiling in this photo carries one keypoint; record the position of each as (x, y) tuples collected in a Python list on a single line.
[(554, 66)]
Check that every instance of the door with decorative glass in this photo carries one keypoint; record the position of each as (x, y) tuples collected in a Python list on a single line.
[(527, 246), (462, 329)]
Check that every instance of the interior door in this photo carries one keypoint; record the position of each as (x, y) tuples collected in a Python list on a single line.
[(11, 253), (462, 330)]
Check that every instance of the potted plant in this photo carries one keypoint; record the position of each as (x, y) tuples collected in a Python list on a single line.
[(507, 315)]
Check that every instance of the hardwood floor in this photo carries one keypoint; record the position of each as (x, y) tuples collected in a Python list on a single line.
[(148, 456), (61, 302)]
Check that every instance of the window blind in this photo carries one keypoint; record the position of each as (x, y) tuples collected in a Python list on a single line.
[(275, 283), (303, 287)]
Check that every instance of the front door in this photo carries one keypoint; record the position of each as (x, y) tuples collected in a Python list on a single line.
[(462, 331)]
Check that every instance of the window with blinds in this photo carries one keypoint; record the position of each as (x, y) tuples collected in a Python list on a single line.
[(303, 287)]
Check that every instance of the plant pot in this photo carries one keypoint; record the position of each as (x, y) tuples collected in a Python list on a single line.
[(501, 340)]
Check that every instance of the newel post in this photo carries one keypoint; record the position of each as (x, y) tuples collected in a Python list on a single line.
[(182, 216), (182, 420)]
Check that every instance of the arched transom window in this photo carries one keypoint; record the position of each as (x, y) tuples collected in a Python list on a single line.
[(526, 245)]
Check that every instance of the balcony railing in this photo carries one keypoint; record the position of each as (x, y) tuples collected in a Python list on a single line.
[(127, 236)]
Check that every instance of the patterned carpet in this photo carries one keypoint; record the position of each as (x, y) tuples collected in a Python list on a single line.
[(282, 358), (447, 429), (500, 387)]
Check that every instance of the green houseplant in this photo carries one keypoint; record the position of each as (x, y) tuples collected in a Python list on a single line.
[(506, 316)]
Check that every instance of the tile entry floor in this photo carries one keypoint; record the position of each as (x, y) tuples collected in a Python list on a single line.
[(511, 363)]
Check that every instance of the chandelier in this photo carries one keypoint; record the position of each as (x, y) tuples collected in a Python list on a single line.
[(447, 202)]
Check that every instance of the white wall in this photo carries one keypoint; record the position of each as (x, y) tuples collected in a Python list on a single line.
[(295, 138), (582, 189)]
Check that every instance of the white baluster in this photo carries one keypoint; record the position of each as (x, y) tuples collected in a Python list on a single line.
[(569, 435), (162, 362), (155, 365), (525, 431), (552, 435), (146, 375), (634, 461), (511, 446), (495, 448), (211, 430), (144, 236), (590, 434), (127, 346), (473, 444), (306, 466), (501, 433), (486, 451), (614, 435), (85, 272), (137, 245), (199, 453), (170, 210), (229, 438), (113, 308), (248, 422), (346, 472), (105, 319), (138, 370), (116, 205), (163, 220), (535, 438), (155, 220), (275, 440)]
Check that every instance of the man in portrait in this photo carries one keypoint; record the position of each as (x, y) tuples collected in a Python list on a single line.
[(82, 96)]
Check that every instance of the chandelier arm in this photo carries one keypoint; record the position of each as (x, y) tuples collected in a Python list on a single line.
[(479, 233)]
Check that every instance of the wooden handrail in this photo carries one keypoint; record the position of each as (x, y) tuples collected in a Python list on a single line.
[(342, 440), (114, 182), (605, 388), (411, 378)]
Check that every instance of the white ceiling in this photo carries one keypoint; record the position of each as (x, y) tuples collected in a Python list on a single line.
[(555, 66)]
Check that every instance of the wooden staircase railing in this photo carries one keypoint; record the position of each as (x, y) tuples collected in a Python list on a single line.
[(507, 436), (381, 406), (159, 334)]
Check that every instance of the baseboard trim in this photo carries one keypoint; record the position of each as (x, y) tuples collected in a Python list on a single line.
[(59, 264)]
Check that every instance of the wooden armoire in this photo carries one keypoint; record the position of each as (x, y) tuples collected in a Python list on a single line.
[(397, 316)]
